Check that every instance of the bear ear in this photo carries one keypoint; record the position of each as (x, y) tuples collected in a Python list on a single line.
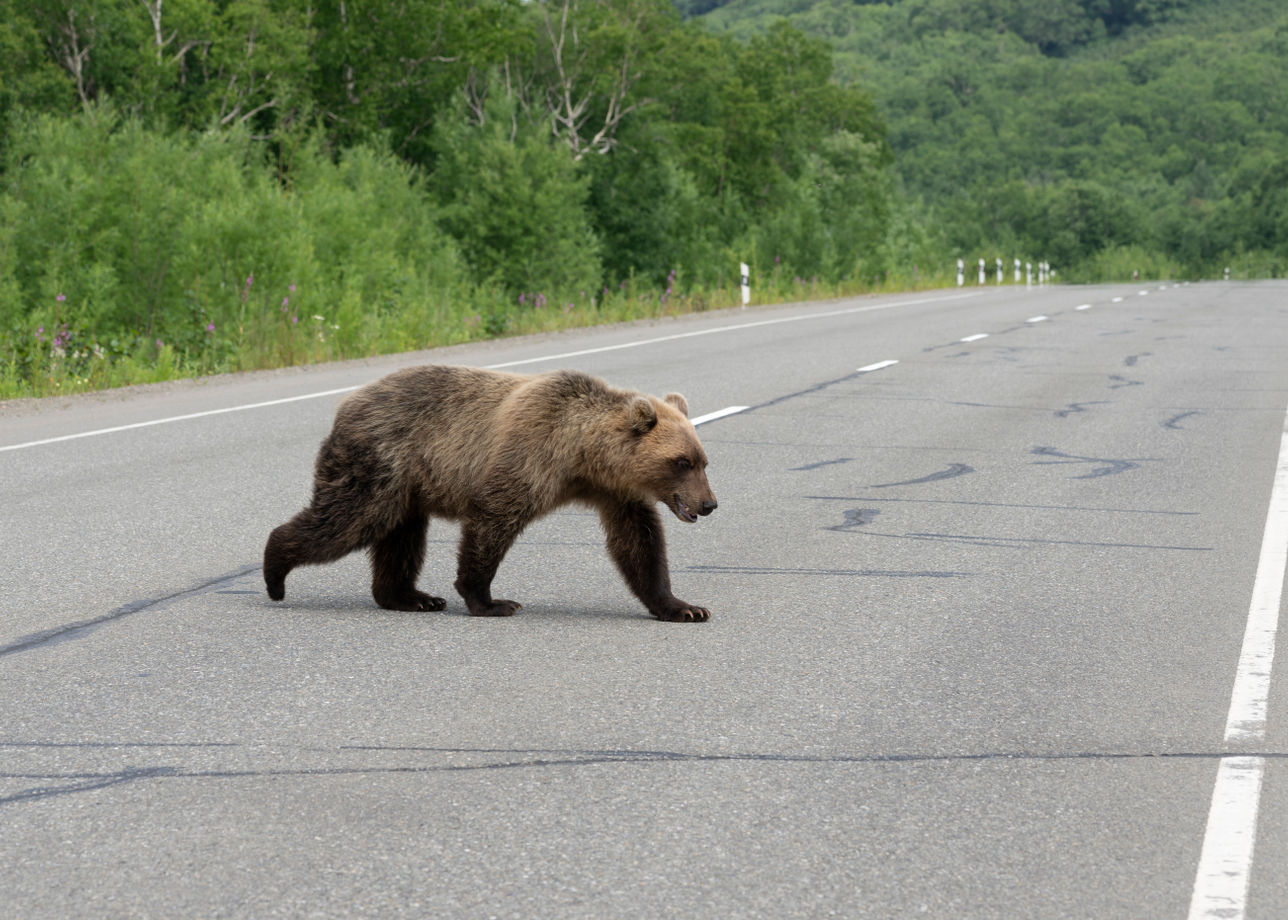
[(642, 414), (678, 401)]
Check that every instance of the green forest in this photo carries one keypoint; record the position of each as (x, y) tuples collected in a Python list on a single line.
[(1104, 134), (198, 186)]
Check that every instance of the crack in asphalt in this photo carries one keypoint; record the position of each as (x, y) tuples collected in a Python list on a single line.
[(954, 470), (541, 758), (949, 501), (1111, 467), (1014, 542), (82, 628)]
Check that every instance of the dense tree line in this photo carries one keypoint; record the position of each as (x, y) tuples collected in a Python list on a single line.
[(1102, 133), (173, 170)]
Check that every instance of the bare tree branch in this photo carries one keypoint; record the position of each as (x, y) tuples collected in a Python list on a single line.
[(573, 93), (72, 52)]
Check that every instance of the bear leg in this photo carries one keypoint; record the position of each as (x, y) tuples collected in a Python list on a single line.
[(482, 548), (306, 539), (396, 559), (637, 544)]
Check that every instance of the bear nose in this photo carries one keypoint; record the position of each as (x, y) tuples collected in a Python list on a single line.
[(708, 507)]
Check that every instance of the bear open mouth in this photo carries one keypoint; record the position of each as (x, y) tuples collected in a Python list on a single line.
[(682, 510)]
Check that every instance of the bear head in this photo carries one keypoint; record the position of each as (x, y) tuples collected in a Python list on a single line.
[(669, 463)]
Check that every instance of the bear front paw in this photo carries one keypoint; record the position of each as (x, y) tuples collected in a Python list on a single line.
[(411, 601), (498, 608), (680, 612)]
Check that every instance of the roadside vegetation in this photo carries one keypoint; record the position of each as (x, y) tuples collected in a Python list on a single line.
[(203, 186)]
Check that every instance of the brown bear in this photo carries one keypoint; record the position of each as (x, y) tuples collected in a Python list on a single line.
[(495, 451)]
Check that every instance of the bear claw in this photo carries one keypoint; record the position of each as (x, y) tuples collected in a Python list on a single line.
[(685, 614)]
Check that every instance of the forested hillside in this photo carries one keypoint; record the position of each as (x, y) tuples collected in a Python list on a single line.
[(196, 185), (1103, 133), (190, 186)]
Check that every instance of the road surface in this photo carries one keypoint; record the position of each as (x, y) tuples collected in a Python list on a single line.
[(985, 567)]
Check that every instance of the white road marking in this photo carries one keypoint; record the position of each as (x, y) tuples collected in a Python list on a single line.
[(555, 357), (719, 413), (1141, 293), (1247, 717), (976, 337), (1118, 300), (732, 328), (1221, 887), (1225, 864), (1037, 319), (176, 418), (1083, 306), (878, 366)]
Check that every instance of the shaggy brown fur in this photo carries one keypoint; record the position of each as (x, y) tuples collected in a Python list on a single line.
[(495, 451)]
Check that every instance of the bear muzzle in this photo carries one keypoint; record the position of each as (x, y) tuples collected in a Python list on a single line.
[(688, 515)]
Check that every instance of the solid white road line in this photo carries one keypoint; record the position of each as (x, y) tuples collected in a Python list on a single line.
[(1225, 864), (176, 418), (719, 413), (1247, 717), (731, 328), (976, 337), (555, 357), (1221, 886), (878, 366)]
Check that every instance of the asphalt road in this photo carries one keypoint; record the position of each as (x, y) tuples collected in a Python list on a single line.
[(976, 618)]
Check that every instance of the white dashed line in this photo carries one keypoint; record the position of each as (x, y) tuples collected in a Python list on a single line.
[(1083, 306), (1118, 300), (876, 367), (1037, 319), (976, 337), (719, 413)]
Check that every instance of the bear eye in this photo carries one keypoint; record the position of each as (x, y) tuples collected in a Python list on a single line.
[(683, 464)]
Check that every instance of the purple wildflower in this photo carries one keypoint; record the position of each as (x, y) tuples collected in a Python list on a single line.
[(60, 298), (210, 327)]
